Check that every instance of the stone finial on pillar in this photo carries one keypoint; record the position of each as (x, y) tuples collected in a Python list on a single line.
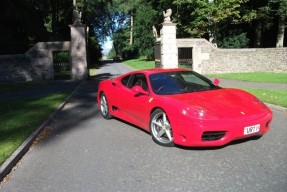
[(77, 17), (169, 50), (167, 15)]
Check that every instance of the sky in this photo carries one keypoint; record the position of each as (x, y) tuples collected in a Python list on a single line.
[(107, 46)]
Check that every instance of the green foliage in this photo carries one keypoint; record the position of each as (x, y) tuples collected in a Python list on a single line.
[(112, 54), (144, 20), (120, 41), (282, 7), (200, 17), (130, 52), (229, 23), (234, 40), (26, 22), (97, 15), (62, 67), (21, 26), (94, 49)]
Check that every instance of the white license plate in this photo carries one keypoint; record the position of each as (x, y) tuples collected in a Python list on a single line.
[(251, 129)]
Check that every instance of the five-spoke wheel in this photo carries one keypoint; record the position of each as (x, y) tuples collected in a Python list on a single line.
[(105, 107), (160, 128)]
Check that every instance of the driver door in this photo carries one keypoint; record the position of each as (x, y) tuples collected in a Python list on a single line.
[(134, 105)]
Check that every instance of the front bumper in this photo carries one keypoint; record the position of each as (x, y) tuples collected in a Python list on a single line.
[(204, 133)]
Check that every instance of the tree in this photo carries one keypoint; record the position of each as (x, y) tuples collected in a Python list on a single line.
[(120, 41), (257, 14), (128, 7), (96, 15), (281, 12), (203, 18), (234, 39), (21, 26), (144, 20)]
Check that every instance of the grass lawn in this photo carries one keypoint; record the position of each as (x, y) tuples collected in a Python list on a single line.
[(144, 64), (255, 77), (13, 87), (276, 97), (19, 118), (140, 63)]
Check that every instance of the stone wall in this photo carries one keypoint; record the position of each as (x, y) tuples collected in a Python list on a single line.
[(17, 68), (36, 64), (208, 59)]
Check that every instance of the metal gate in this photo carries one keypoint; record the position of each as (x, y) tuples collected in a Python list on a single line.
[(62, 66), (185, 56), (157, 56)]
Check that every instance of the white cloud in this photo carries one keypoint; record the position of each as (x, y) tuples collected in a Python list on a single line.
[(107, 46)]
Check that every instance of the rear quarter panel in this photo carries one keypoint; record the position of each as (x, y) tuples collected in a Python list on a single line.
[(107, 88)]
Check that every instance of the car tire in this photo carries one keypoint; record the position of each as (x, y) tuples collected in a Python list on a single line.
[(160, 128), (104, 107)]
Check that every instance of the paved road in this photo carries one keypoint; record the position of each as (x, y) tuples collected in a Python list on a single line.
[(84, 152)]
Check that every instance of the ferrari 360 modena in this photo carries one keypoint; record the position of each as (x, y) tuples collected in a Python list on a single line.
[(182, 107)]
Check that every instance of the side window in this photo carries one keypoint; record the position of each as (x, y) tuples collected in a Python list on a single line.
[(139, 79), (194, 79), (125, 80)]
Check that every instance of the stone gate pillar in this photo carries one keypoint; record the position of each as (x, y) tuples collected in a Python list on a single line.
[(169, 50), (78, 52)]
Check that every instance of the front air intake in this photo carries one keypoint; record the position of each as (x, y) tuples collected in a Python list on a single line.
[(212, 135)]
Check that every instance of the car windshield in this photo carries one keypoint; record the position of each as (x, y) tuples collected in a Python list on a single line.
[(178, 82)]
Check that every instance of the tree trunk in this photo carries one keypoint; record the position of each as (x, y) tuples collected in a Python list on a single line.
[(281, 31), (54, 19), (116, 49), (258, 35), (132, 25), (213, 35)]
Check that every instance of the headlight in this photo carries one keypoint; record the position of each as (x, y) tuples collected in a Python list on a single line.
[(198, 113)]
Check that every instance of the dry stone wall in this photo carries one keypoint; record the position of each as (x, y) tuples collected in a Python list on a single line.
[(35, 65), (17, 68), (208, 59)]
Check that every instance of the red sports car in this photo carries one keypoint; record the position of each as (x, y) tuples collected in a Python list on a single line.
[(179, 106)]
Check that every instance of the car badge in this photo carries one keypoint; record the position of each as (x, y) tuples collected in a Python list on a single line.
[(150, 100), (242, 113)]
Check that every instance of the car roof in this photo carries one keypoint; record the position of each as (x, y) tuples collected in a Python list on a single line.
[(159, 70)]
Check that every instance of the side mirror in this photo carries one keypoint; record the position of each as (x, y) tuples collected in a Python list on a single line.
[(114, 83), (138, 90), (216, 81)]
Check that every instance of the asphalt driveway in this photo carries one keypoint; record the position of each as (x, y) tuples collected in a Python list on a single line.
[(84, 152)]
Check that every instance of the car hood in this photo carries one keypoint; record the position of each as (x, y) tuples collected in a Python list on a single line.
[(224, 103)]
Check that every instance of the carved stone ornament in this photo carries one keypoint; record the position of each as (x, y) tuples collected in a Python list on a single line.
[(167, 15), (77, 17), (154, 31)]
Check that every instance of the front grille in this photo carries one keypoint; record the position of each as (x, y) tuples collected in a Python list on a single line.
[(212, 135)]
